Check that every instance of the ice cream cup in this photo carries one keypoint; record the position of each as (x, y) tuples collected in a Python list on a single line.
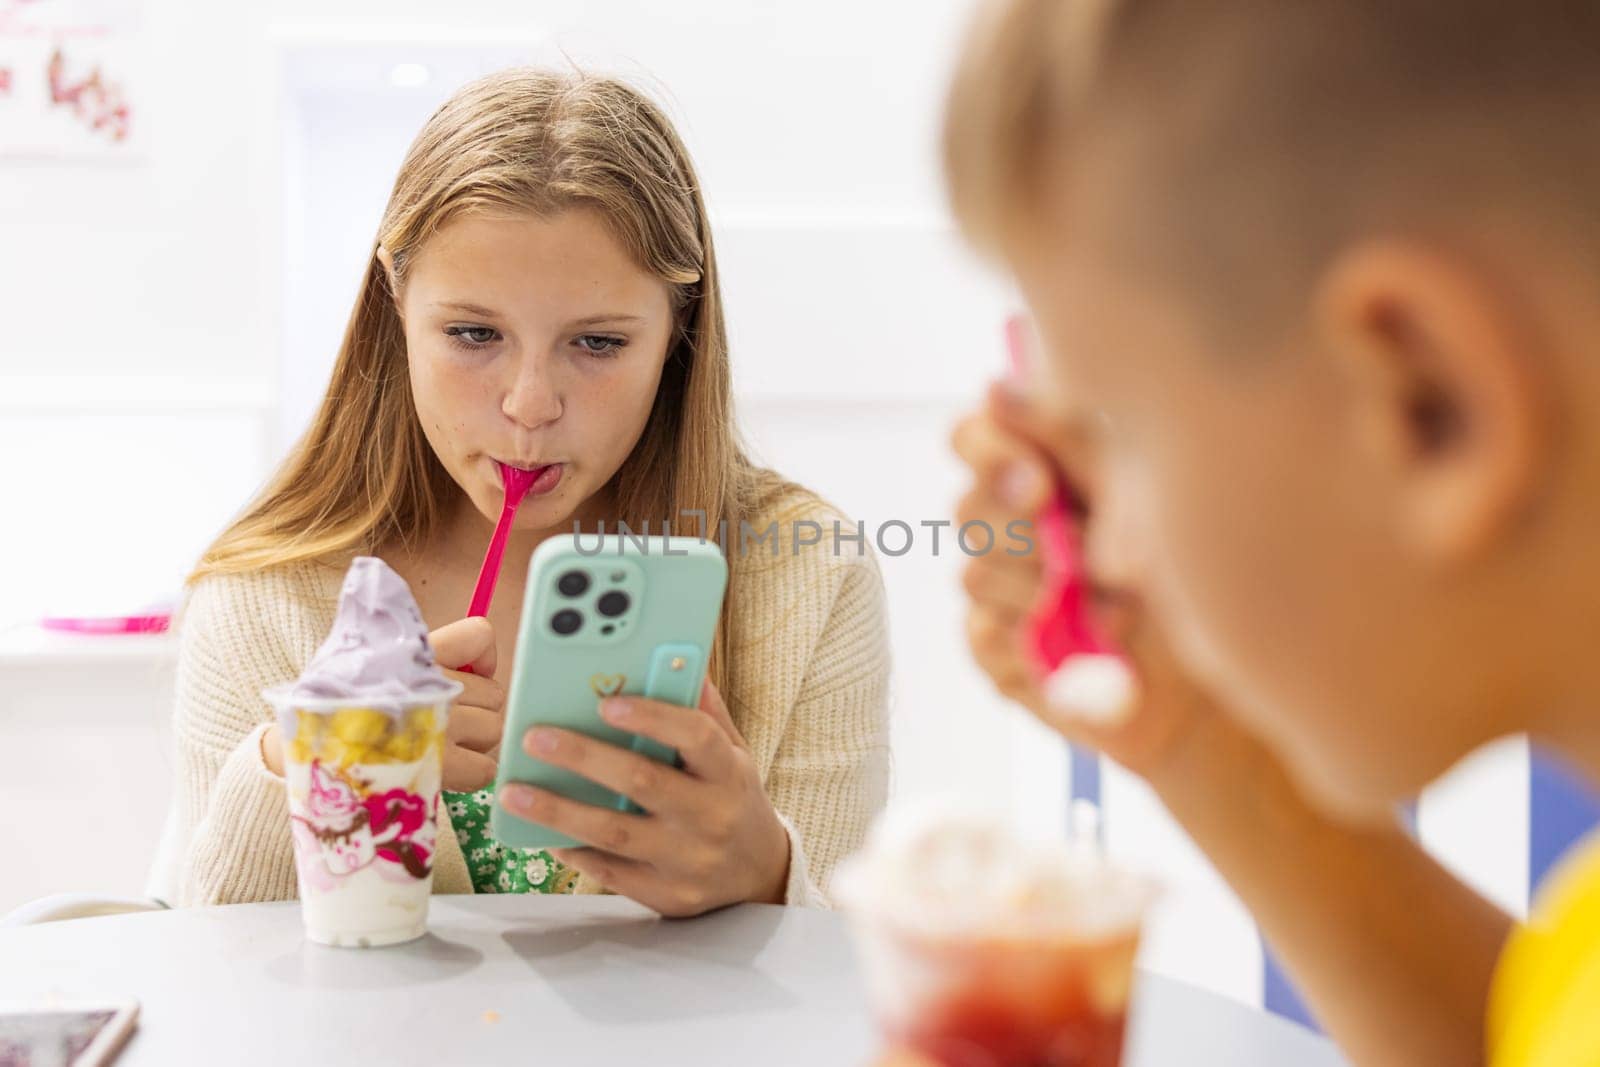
[(1038, 973), (364, 779)]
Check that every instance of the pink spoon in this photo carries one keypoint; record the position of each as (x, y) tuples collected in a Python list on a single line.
[(1061, 627), (517, 482)]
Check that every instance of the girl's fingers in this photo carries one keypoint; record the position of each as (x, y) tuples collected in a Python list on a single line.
[(623, 834), (637, 881), (465, 643), (479, 690), (654, 786), (477, 729), (466, 771), (712, 704), (702, 742)]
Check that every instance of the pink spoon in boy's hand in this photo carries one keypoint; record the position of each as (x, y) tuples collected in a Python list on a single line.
[(517, 482), (1082, 670)]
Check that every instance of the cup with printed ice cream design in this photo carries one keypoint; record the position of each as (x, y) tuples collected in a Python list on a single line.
[(363, 731)]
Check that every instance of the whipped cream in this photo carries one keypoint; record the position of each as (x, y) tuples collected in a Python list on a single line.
[(936, 869)]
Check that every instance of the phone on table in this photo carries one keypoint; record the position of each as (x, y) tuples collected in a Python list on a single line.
[(65, 1033), (608, 615)]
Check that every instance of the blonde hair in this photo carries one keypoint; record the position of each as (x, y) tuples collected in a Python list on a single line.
[(1025, 66), (1267, 132), (520, 140)]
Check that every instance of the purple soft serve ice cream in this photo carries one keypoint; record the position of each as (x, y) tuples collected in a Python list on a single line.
[(362, 730), (377, 651)]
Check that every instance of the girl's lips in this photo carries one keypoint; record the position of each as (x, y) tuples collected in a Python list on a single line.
[(548, 478)]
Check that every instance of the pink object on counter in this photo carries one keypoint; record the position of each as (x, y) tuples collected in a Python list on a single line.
[(153, 623), (1062, 626)]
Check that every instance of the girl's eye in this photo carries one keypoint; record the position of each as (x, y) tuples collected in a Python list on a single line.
[(599, 344), (471, 336)]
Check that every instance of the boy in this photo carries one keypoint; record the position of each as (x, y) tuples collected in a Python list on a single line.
[(1320, 284)]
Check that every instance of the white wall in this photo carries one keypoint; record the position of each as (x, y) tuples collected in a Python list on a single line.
[(169, 324)]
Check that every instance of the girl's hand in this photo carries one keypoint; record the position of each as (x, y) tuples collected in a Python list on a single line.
[(473, 734), (709, 836), (1015, 448), (478, 715)]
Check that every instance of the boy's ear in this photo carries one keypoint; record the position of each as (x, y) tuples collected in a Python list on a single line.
[(1447, 390)]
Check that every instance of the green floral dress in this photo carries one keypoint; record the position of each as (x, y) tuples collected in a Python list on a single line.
[(497, 868)]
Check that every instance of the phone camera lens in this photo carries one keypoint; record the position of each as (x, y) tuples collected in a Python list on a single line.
[(573, 583), (613, 604), (566, 622)]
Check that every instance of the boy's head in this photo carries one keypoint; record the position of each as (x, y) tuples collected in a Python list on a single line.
[(1328, 276)]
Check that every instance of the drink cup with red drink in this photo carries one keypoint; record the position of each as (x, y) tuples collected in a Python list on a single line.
[(984, 950)]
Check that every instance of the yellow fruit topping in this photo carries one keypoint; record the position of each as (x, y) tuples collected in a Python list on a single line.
[(363, 735), (361, 726)]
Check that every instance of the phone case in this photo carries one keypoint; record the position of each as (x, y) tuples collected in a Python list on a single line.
[(657, 647)]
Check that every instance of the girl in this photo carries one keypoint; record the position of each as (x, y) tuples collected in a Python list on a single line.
[(543, 293)]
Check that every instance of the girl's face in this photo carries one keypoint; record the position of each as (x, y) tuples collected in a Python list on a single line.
[(536, 342)]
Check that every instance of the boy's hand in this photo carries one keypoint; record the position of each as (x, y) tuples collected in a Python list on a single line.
[(1015, 447), (1391, 984)]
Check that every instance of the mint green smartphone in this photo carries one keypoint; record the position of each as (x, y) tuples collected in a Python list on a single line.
[(624, 614)]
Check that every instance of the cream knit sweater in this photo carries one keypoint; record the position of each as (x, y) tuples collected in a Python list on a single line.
[(808, 688)]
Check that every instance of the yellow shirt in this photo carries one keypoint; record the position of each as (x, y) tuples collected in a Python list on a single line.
[(1544, 1005)]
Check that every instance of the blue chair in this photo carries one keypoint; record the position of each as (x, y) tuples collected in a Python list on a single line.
[(1562, 809)]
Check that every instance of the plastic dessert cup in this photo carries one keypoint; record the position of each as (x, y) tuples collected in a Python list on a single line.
[(364, 781)]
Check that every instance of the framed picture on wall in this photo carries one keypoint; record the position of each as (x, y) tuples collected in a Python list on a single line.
[(69, 79)]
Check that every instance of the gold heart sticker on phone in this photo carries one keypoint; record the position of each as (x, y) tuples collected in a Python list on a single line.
[(607, 685)]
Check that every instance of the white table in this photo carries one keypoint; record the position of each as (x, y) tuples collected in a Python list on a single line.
[(532, 979)]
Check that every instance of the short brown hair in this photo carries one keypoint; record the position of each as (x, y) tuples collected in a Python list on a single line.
[(1296, 121)]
